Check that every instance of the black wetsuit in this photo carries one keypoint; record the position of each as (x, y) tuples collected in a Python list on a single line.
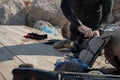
[(92, 13)]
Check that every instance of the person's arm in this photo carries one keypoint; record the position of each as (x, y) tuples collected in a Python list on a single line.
[(66, 6), (106, 14)]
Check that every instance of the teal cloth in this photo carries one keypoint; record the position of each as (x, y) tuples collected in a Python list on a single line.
[(49, 30)]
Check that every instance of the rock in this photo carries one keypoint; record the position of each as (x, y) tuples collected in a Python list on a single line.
[(41, 23), (46, 10), (112, 49), (118, 23), (12, 12), (116, 11), (116, 6)]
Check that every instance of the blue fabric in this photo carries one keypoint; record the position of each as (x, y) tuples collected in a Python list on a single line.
[(49, 30), (58, 64), (78, 61)]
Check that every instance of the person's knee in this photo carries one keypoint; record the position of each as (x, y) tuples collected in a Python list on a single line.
[(66, 30)]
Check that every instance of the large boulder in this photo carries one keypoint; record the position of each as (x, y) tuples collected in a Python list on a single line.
[(46, 10), (112, 49), (12, 12)]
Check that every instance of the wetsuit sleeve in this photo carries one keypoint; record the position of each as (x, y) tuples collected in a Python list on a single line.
[(66, 6), (106, 13)]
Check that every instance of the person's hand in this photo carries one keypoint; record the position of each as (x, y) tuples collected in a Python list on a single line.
[(86, 31), (96, 33)]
